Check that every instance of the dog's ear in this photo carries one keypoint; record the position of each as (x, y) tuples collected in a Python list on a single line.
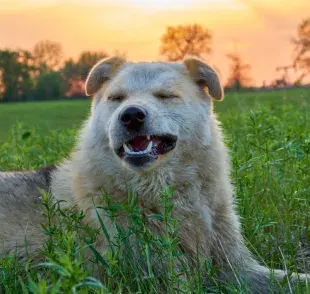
[(205, 76), (100, 73)]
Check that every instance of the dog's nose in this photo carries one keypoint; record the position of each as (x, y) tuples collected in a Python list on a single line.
[(133, 117)]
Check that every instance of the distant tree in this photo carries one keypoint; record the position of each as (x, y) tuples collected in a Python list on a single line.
[(239, 73), (50, 85), (182, 40), (284, 80), (87, 60), (75, 73), (302, 49), (17, 72), (121, 54), (48, 55), (81, 68)]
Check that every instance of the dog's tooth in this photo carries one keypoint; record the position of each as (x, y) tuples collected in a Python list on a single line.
[(148, 137), (149, 147), (126, 148)]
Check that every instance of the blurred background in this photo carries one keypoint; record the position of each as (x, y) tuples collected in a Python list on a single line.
[(47, 47)]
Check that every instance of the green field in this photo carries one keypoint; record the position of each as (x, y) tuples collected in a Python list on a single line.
[(268, 134), (59, 115), (43, 116)]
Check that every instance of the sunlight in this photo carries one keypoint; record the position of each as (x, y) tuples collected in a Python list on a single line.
[(144, 4), (169, 4)]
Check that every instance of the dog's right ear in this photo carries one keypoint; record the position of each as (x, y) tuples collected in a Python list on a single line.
[(205, 77), (101, 72)]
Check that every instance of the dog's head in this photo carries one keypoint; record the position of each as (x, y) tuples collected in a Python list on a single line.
[(147, 114)]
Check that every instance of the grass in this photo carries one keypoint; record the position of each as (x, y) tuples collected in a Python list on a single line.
[(269, 140), (43, 116)]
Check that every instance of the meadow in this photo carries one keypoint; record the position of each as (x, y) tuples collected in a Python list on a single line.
[(269, 140)]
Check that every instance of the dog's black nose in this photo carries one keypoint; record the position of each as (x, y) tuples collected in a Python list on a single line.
[(133, 117)]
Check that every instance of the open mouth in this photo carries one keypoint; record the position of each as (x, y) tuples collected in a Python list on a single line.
[(144, 149)]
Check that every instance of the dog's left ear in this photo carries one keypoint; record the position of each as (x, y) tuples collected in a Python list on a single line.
[(101, 72), (205, 76)]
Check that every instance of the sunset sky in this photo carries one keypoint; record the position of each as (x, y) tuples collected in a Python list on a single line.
[(260, 30)]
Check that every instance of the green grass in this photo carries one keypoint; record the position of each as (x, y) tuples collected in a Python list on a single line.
[(43, 116), (269, 140)]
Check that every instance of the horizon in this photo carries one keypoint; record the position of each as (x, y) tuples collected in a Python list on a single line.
[(259, 30)]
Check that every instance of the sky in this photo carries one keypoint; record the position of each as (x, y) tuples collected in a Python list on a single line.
[(259, 30)]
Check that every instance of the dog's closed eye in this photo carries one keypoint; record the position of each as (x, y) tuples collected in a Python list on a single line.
[(117, 97), (165, 95)]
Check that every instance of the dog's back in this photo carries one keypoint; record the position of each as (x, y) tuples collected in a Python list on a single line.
[(19, 214)]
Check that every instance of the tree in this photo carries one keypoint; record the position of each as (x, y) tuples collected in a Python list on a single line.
[(75, 73), (239, 73), (179, 41), (302, 49), (87, 60), (81, 68), (17, 72), (48, 55), (50, 85), (121, 54)]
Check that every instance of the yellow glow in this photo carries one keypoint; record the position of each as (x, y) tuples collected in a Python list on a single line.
[(170, 4), (260, 30)]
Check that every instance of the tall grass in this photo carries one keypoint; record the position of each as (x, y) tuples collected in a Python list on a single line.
[(135, 261), (269, 146)]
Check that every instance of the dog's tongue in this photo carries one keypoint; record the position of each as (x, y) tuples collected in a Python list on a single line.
[(139, 143)]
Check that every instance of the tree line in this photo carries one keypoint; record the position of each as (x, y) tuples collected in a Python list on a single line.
[(44, 74)]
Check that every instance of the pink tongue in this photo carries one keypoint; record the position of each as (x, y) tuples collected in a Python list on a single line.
[(139, 143)]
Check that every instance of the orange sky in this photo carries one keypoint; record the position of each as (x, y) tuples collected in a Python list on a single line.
[(262, 28)]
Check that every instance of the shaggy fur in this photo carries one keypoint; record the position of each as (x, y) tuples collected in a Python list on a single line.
[(20, 217), (178, 100)]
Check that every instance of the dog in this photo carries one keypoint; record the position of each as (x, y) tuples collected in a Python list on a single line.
[(151, 126)]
